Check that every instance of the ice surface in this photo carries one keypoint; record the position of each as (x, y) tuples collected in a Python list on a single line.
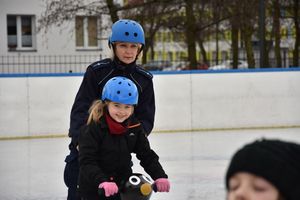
[(195, 162)]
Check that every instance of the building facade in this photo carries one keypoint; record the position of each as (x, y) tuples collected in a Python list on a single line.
[(23, 48)]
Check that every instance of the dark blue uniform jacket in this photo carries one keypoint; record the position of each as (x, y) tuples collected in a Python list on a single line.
[(95, 77)]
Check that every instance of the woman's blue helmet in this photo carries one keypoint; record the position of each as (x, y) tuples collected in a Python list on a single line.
[(121, 90), (125, 30)]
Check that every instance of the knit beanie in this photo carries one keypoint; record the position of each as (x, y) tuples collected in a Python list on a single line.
[(274, 160)]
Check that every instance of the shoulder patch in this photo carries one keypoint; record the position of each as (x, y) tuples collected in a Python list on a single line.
[(144, 72), (101, 64)]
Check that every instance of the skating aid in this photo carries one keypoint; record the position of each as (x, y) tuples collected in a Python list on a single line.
[(137, 187)]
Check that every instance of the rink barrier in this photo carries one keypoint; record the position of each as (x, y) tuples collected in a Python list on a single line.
[(2, 138), (27, 97), (22, 75)]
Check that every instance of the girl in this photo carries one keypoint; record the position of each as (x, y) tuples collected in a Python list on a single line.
[(265, 170), (111, 135)]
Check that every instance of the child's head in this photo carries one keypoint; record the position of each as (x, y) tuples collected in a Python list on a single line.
[(127, 40), (120, 95), (120, 90), (265, 170)]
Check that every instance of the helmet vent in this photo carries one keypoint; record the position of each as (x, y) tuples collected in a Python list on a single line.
[(135, 34), (118, 92), (129, 94), (126, 33)]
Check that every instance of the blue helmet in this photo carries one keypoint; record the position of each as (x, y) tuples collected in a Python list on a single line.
[(125, 30), (121, 90)]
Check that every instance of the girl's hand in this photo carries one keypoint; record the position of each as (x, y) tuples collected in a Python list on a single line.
[(110, 188), (162, 185)]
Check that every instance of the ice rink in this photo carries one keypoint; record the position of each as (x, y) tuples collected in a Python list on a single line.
[(32, 169)]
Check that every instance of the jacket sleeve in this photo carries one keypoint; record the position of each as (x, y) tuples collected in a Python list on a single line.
[(149, 160), (89, 141), (86, 94), (145, 110)]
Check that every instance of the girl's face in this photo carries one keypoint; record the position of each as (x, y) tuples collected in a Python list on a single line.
[(120, 112), (245, 186), (127, 52)]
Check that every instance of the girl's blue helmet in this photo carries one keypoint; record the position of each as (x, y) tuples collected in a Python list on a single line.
[(121, 90), (125, 30)]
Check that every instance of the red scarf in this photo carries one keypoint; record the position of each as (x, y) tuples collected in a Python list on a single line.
[(114, 127)]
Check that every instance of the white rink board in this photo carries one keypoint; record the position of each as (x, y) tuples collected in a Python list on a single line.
[(32, 106), (227, 100), (36, 105)]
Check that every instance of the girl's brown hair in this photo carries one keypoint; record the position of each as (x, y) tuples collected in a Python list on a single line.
[(95, 111)]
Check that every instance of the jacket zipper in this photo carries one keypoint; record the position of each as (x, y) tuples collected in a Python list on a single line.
[(106, 76), (137, 83)]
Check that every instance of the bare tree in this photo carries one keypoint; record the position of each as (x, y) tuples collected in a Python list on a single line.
[(296, 18), (195, 20), (248, 23), (276, 31), (153, 15), (58, 12), (235, 27), (291, 8)]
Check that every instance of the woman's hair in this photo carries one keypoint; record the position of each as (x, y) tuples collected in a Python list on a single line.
[(96, 111)]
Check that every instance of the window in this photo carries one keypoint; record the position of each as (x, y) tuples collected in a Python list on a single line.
[(87, 32), (20, 32)]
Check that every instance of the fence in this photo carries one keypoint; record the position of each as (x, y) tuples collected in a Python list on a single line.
[(78, 63), (46, 63)]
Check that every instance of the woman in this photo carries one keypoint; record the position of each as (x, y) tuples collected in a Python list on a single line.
[(126, 43)]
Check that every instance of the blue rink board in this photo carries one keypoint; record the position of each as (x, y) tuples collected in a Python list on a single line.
[(159, 72)]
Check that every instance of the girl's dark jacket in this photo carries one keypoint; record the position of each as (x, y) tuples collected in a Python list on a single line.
[(107, 157)]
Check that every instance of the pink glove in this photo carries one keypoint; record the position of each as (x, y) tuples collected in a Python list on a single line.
[(162, 185), (110, 188)]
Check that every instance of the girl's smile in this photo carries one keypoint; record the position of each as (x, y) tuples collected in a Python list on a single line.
[(120, 112)]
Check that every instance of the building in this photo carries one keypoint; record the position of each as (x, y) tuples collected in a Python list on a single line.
[(23, 48)]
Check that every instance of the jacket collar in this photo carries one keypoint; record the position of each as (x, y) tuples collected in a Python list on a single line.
[(133, 123), (123, 66), (114, 127)]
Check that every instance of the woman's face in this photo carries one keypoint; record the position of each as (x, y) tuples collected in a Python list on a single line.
[(127, 52), (245, 186), (119, 112)]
